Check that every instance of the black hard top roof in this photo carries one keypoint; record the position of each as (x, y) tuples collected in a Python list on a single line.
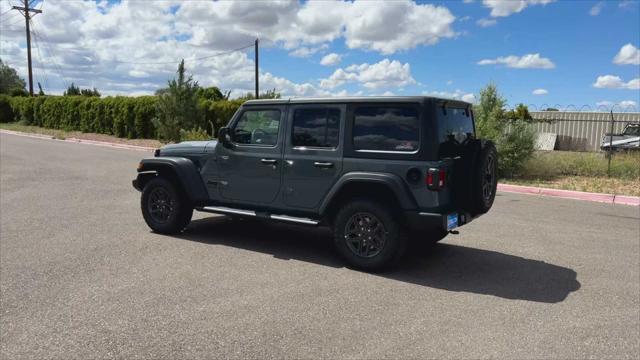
[(356, 99)]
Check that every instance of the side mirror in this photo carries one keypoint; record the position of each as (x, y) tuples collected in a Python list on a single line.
[(225, 137)]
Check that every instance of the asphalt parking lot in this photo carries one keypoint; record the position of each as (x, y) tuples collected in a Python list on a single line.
[(81, 276)]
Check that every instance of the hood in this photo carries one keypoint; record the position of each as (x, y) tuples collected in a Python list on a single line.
[(187, 147)]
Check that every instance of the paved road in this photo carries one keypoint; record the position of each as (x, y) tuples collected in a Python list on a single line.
[(81, 276)]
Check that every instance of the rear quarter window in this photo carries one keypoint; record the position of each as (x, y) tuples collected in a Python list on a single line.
[(386, 128), (455, 126)]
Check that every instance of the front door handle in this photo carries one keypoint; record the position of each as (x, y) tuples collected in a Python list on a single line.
[(323, 164), (268, 161)]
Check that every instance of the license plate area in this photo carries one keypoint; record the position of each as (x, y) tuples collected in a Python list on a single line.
[(452, 221)]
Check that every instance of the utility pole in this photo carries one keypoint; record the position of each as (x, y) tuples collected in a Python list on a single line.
[(256, 63), (27, 17)]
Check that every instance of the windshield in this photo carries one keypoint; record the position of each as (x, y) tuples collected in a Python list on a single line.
[(632, 130)]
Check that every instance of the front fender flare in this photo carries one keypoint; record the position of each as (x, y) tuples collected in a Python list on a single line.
[(184, 171)]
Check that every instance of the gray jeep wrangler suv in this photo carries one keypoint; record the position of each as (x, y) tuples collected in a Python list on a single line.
[(378, 170)]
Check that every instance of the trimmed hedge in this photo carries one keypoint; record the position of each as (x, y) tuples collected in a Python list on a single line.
[(130, 117)]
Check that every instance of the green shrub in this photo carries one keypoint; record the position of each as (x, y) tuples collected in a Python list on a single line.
[(177, 106), (6, 112), (515, 147), (131, 117), (509, 130), (194, 135)]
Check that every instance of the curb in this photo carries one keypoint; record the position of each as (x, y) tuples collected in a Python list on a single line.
[(569, 194), (80, 141), (518, 189)]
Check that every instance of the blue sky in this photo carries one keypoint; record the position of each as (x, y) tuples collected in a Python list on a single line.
[(564, 49)]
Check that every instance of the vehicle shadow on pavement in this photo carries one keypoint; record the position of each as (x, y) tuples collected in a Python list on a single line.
[(443, 266)]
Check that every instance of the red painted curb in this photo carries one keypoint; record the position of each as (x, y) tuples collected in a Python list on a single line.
[(578, 195), (569, 194), (519, 189), (627, 200)]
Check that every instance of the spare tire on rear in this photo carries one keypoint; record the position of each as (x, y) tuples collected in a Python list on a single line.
[(484, 180)]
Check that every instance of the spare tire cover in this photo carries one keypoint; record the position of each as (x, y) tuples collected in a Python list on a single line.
[(485, 178)]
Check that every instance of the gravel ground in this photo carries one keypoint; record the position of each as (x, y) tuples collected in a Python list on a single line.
[(81, 276)]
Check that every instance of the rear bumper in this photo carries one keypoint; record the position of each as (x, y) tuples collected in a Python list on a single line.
[(422, 221)]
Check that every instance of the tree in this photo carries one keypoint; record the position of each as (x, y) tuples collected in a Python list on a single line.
[(72, 90), (177, 106), (10, 82), (90, 93), (269, 94), (509, 130), (213, 93)]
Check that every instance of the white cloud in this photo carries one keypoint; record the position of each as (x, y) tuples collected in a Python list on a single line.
[(456, 95), (596, 9), (615, 82), (628, 54), (383, 74), (293, 23), (368, 26), (501, 8), (529, 61), (540, 92), (484, 22), (304, 51), (330, 59), (625, 105), (110, 44), (624, 4)]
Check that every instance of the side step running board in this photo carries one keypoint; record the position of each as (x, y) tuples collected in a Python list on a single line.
[(232, 211)]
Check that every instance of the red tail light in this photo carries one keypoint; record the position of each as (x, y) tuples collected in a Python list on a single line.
[(442, 175), (436, 178)]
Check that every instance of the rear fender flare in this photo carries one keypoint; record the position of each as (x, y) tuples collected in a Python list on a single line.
[(393, 182)]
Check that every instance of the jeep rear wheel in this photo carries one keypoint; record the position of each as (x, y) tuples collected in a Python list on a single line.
[(368, 236), (164, 208)]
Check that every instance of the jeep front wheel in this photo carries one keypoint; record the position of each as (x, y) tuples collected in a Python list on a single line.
[(164, 209), (368, 236)]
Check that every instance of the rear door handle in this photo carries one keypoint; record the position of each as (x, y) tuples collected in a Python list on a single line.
[(323, 164), (268, 161)]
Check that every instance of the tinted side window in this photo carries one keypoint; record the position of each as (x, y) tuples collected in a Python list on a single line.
[(316, 127), (386, 128), (455, 127), (257, 127)]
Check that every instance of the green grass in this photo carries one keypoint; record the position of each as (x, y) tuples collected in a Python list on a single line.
[(552, 164), (582, 171), (14, 126)]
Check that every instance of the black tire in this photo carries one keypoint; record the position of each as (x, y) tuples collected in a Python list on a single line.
[(164, 208), (485, 178), (381, 252)]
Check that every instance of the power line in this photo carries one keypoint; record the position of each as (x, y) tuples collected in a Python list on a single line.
[(175, 61), (42, 64), (13, 23), (46, 44)]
